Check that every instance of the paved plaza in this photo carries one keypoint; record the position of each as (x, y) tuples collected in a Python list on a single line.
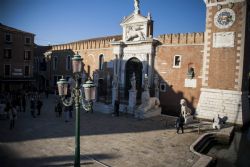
[(105, 141)]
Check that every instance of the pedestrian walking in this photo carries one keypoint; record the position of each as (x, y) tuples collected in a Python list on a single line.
[(39, 106), (12, 116), (32, 107), (116, 107), (179, 124), (66, 113), (47, 93), (23, 102), (71, 111), (59, 109)]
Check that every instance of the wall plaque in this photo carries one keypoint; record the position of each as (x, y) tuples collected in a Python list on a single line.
[(223, 39), (190, 83)]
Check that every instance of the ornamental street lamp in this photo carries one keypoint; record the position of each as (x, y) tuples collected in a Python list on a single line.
[(77, 97)]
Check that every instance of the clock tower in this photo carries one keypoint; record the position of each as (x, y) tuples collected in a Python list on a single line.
[(225, 62)]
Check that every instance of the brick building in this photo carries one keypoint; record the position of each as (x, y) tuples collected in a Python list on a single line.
[(210, 70), (16, 59)]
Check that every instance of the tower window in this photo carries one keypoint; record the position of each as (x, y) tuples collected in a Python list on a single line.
[(177, 61), (101, 61)]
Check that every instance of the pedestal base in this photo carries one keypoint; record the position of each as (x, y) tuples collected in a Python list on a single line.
[(151, 113), (132, 101)]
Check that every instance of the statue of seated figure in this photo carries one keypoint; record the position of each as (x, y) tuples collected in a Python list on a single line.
[(149, 104), (186, 111)]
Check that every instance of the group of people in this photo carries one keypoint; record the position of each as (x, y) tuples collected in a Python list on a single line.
[(68, 110), (35, 105), (16, 101)]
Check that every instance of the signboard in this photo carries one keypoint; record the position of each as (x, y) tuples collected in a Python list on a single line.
[(190, 83)]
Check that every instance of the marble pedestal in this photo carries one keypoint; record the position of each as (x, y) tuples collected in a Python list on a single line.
[(139, 114), (157, 93), (132, 101)]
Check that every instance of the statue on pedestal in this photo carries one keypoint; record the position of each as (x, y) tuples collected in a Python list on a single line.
[(95, 78), (156, 84), (186, 111), (137, 6), (146, 86), (156, 81), (133, 82), (115, 82)]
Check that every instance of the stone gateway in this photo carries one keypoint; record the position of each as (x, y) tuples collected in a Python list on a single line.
[(210, 69)]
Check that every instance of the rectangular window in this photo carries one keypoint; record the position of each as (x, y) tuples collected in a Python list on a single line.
[(7, 53), (6, 70), (27, 40), (27, 55), (8, 38), (177, 61), (26, 71)]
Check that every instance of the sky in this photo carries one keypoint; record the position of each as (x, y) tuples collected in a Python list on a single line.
[(63, 21)]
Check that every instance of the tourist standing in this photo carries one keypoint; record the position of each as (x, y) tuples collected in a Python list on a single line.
[(39, 106), (12, 116), (71, 111), (66, 113), (116, 107), (59, 109), (23, 102), (32, 107)]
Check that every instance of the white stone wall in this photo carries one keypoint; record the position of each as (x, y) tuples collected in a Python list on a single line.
[(231, 104)]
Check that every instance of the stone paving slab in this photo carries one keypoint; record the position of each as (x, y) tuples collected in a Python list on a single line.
[(105, 140)]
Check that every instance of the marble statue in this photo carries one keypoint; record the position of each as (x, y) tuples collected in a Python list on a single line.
[(95, 78), (186, 111), (156, 84), (133, 82), (137, 6), (146, 86), (148, 104), (217, 122), (156, 81)]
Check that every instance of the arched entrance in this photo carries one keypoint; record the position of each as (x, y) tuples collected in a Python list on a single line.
[(133, 65)]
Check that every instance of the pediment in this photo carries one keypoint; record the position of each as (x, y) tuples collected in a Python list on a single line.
[(134, 18)]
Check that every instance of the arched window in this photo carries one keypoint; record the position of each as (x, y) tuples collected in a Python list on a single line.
[(101, 61), (190, 72)]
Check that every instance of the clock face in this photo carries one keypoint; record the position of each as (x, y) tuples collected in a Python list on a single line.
[(224, 18)]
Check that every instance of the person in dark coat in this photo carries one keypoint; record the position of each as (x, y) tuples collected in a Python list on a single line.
[(32, 107), (39, 106), (23, 102), (116, 107), (179, 124), (59, 109)]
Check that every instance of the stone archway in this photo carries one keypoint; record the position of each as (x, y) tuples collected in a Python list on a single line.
[(133, 65)]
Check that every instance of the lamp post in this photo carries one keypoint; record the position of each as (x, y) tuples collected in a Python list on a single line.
[(77, 97)]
